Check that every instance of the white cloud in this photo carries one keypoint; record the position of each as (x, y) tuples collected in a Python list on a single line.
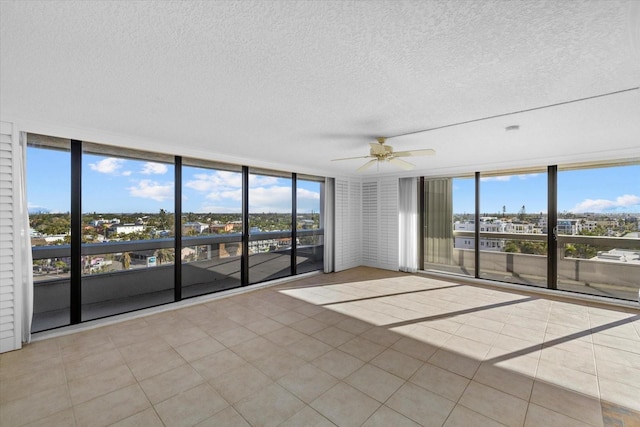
[(527, 176), (126, 173), (270, 199), (303, 193), (497, 178), (600, 205), (218, 186), (235, 195), (262, 180), (216, 181), (151, 168), (109, 165), (508, 177), (265, 195), (148, 189)]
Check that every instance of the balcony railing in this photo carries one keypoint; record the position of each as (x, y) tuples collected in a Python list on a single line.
[(112, 292), (63, 251), (594, 274)]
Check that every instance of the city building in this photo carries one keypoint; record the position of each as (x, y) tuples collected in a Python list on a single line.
[(117, 228), (194, 227), (263, 106)]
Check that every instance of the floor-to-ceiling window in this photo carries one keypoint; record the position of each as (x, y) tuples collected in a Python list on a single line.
[(512, 225), (599, 230), (116, 230), (270, 225), (128, 230), (49, 196), (595, 224), (309, 236), (211, 227), (448, 225)]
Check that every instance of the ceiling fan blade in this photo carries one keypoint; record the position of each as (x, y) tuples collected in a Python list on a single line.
[(401, 163), (366, 165), (415, 153), (351, 158)]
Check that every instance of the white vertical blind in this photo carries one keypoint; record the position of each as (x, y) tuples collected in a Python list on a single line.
[(388, 212), (370, 225), (348, 224), (327, 209), (380, 223), (354, 238)]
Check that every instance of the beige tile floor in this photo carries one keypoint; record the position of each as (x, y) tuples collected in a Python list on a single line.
[(361, 347)]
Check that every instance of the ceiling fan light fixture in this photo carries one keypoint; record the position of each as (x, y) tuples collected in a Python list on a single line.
[(380, 152)]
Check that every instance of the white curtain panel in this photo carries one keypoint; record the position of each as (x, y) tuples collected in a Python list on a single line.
[(329, 224), (408, 225), (25, 241)]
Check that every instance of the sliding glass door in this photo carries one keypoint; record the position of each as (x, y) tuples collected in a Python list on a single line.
[(270, 225), (497, 227), (115, 229), (513, 227), (448, 225), (599, 231), (128, 231), (49, 196), (211, 226)]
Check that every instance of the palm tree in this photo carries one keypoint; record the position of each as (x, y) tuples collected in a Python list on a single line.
[(126, 260), (164, 255)]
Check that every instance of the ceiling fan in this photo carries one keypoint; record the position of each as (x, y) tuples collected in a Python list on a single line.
[(380, 152)]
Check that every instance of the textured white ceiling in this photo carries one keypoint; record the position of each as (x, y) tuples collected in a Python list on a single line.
[(293, 84)]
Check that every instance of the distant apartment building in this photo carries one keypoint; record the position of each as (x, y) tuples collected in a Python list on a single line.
[(568, 226), (487, 224), (588, 225), (194, 227), (575, 226), (117, 228), (492, 225), (221, 228), (101, 221)]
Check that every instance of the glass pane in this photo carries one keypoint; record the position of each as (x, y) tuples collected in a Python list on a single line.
[(128, 228), (449, 213), (269, 227), (310, 243), (211, 230), (599, 231), (513, 241), (49, 202)]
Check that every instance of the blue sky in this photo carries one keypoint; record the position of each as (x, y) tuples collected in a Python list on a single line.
[(114, 185), (601, 190), (122, 186)]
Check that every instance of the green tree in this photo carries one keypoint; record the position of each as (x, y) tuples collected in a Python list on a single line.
[(60, 265), (511, 246)]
